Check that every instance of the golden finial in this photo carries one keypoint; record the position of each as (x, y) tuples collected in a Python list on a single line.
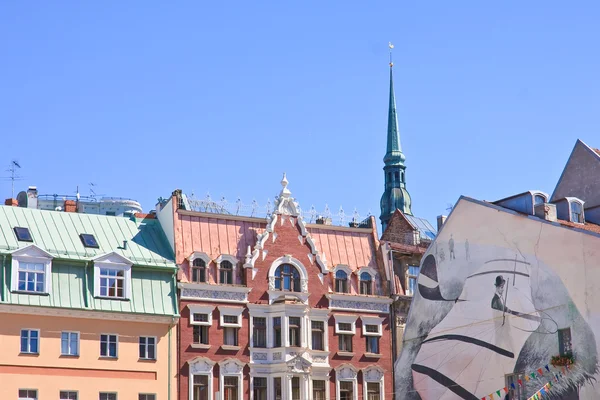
[(391, 46)]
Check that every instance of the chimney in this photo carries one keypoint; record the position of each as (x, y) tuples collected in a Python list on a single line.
[(440, 221), (11, 202), (70, 206), (32, 197), (546, 211)]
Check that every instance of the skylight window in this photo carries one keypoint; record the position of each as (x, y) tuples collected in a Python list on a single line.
[(89, 240), (23, 234)]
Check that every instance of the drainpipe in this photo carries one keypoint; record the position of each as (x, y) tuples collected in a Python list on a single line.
[(2, 280), (85, 285), (169, 366)]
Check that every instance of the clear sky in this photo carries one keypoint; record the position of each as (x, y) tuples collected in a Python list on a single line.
[(143, 97)]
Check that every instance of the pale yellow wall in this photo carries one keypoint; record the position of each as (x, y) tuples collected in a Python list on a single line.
[(126, 375)]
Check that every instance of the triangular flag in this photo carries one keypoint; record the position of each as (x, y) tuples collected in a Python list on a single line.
[(527, 378), (506, 390), (540, 372), (533, 375), (491, 396), (498, 393), (543, 391), (520, 382), (483, 398), (512, 385), (548, 369)]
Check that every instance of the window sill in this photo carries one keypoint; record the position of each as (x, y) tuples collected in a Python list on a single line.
[(111, 298), (30, 292), (69, 356), (200, 346), (23, 353), (147, 360), (345, 354), (372, 355), (108, 358), (230, 348)]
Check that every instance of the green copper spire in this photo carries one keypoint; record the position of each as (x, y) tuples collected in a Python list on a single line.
[(395, 195)]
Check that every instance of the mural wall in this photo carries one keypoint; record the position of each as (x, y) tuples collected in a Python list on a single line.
[(499, 295)]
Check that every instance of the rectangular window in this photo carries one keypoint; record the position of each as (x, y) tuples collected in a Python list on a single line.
[(318, 334), (344, 326), (23, 234), (260, 388), (108, 346), (230, 319), (27, 394), (89, 240), (200, 334), (200, 317), (69, 343), (259, 332), (413, 274), (112, 283), (372, 328), (230, 388), (68, 395), (31, 277), (200, 388), (295, 388), (345, 343), (277, 332), (107, 396), (515, 391), (230, 336), (277, 385), (294, 331), (145, 396), (30, 341), (346, 390), (373, 344), (110, 213), (564, 342), (366, 287), (373, 391), (318, 390), (147, 348)]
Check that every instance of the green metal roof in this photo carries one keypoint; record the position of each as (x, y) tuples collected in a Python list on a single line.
[(58, 233)]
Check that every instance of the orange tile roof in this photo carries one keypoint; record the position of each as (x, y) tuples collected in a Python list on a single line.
[(586, 226)]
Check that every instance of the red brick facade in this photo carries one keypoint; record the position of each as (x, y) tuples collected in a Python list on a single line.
[(297, 355)]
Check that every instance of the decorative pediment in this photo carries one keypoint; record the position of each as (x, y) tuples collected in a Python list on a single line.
[(112, 258), (346, 371), (298, 364), (200, 365), (32, 251), (373, 374), (231, 366)]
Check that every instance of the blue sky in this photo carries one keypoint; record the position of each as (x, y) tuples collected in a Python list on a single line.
[(145, 97)]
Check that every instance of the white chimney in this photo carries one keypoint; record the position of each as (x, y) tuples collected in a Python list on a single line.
[(440, 221), (32, 197)]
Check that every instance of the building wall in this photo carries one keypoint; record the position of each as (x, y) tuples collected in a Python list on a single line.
[(551, 275), (581, 176), (50, 372)]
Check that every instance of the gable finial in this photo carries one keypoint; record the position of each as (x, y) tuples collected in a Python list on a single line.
[(285, 192)]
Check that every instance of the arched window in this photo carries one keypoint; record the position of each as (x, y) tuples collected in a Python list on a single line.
[(539, 199), (341, 282), (397, 176), (199, 271), (366, 283), (287, 278), (226, 272), (576, 212)]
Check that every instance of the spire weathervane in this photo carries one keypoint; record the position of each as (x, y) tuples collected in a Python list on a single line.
[(391, 46)]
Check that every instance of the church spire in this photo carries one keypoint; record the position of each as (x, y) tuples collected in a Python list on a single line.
[(395, 195)]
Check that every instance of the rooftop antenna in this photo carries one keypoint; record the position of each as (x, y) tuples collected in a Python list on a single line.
[(391, 46), (14, 166)]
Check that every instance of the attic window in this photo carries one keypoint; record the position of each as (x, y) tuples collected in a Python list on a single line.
[(23, 234), (89, 240), (576, 213), (539, 199)]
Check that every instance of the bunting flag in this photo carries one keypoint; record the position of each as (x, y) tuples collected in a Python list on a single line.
[(506, 390), (498, 393), (547, 369), (512, 385), (520, 382), (527, 378), (540, 372), (491, 396), (532, 375)]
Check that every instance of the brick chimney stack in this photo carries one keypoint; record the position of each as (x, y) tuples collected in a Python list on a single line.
[(70, 206), (11, 202)]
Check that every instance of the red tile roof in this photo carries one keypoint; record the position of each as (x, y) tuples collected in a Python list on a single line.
[(586, 226)]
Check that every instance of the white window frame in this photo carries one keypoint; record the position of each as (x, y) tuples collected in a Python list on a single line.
[(69, 391), (373, 374), (268, 327), (231, 367), (67, 354), (320, 316), (230, 311), (204, 257), (252, 376), (367, 320), (234, 261), (147, 394), (39, 340), (200, 366), (346, 373), (155, 348), (580, 204), (201, 309), (115, 393), (349, 283), (113, 261), (348, 319), (29, 390), (34, 255), (319, 378), (107, 347), (410, 276), (373, 274)]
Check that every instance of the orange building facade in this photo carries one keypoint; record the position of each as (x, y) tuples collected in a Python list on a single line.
[(279, 309)]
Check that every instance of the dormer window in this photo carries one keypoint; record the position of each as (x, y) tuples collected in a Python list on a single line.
[(576, 212), (112, 276), (226, 273), (31, 270), (539, 199), (287, 278), (341, 282), (366, 283), (199, 271)]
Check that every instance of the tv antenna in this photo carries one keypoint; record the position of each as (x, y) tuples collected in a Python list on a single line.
[(14, 175), (93, 193)]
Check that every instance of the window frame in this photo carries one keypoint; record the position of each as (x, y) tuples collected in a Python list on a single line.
[(325, 387), (341, 284), (344, 318), (370, 285), (410, 277), (116, 356), (31, 254), (108, 394), (298, 331), (253, 386), (230, 311), (377, 321), (200, 366), (201, 309), (373, 374), (146, 396), (561, 341), (69, 333), (234, 264), (155, 344), (295, 278), (353, 382), (580, 219), (322, 331), (207, 261), (115, 262), (368, 344), (254, 331), (226, 369), (28, 396), (69, 392), (28, 351)]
